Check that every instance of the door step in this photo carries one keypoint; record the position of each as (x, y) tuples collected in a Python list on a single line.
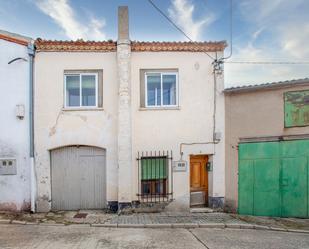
[(201, 210)]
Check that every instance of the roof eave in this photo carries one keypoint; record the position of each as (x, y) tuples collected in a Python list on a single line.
[(269, 86)]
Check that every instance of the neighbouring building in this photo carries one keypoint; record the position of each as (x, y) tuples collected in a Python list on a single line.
[(267, 149), (16, 160), (128, 122)]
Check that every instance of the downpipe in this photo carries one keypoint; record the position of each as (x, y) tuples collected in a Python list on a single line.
[(33, 185)]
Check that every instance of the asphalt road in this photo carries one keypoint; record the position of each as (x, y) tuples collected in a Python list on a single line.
[(79, 236)]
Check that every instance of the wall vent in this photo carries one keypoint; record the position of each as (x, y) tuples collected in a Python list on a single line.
[(8, 166)]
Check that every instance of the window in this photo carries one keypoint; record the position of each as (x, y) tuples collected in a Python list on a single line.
[(296, 108), (154, 176), (81, 89), (161, 89)]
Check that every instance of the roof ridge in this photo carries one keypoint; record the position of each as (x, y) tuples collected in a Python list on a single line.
[(267, 84), (137, 46)]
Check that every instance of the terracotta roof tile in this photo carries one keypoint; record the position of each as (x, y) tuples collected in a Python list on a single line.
[(75, 46), (178, 46), (111, 46)]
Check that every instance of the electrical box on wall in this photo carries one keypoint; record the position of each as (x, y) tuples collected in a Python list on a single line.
[(209, 166), (8, 166), (20, 111), (179, 166)]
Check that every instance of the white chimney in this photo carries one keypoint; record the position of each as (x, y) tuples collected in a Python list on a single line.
[(124, 109)]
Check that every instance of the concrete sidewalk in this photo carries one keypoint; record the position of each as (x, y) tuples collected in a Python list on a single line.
[(100, 218)]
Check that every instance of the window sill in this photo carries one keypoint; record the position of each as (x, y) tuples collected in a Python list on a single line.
[(159, 108), (83, 109)]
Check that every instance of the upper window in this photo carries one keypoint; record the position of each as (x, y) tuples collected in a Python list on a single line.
[(161, 89), (81, 90), (296, 108)]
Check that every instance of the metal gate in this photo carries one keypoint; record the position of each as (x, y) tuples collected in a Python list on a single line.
[(273, 178), (78, 178)]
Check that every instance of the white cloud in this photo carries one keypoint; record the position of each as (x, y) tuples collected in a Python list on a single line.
[(294, 41), (181, 12), (257, 33), (63, 14), (284, 29)]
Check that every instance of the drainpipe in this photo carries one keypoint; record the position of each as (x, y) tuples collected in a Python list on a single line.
[(31, 130)]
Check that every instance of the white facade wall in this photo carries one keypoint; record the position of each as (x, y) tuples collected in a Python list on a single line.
[(152, 130), (192, 122), (56, 127), (14, 132)]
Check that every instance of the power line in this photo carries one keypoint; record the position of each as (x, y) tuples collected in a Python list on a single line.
[(177, 27), (231, 40), (269, 62)]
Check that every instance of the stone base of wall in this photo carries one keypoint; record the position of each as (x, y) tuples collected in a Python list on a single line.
[(216, 202), (180, 204), (137, 207), (230, 206), (43, 205), (15, 207), (112, 206)]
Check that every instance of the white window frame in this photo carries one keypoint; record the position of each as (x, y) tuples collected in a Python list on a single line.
[(80, 90), (146, 90)]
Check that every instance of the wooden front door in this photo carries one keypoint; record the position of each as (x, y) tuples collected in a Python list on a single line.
[(199, 177)]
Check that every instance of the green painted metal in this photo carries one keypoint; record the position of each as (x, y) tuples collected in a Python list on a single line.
[(273, 178), (296, 108), (154, 168)]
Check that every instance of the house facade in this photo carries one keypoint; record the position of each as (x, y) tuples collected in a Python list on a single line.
[(16, 159), (267, 149), (125, 123)]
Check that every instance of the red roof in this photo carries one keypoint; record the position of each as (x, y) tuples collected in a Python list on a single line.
[(111, 46), (11, 38)]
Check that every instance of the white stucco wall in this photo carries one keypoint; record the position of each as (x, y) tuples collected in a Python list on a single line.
[(55, 127), (152, 130), (14, 133), (191, 123)]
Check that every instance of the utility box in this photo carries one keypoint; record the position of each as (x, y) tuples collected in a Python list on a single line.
[(179, 166), (8, 166), (20, 111)]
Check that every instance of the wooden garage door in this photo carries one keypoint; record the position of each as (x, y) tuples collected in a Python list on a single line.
[(78, 178), (274, 178)]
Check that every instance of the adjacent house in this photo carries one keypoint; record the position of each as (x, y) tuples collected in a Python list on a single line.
[(16, 154), (127, 122), (267, 149)]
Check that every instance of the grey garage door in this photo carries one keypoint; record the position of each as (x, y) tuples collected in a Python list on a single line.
[(78, 178)]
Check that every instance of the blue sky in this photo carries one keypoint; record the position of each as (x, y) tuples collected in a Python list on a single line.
[(264, 30)]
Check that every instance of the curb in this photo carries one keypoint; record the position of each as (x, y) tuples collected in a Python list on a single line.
[(5, 221), (212, 225), (163, 225)]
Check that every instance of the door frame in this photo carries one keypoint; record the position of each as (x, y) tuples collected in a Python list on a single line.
[(204, 159), (92, 154)]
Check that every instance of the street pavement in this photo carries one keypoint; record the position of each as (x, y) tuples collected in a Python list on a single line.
[(84, 236)]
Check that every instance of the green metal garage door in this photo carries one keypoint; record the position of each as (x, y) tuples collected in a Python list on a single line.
[(273, 178)]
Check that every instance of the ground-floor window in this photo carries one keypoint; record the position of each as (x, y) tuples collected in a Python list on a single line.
[(154, 176)]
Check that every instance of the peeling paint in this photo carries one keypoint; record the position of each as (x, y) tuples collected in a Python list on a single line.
[(8, 206), (6, 150), (26, 206), (53, 129), (14, 135)]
